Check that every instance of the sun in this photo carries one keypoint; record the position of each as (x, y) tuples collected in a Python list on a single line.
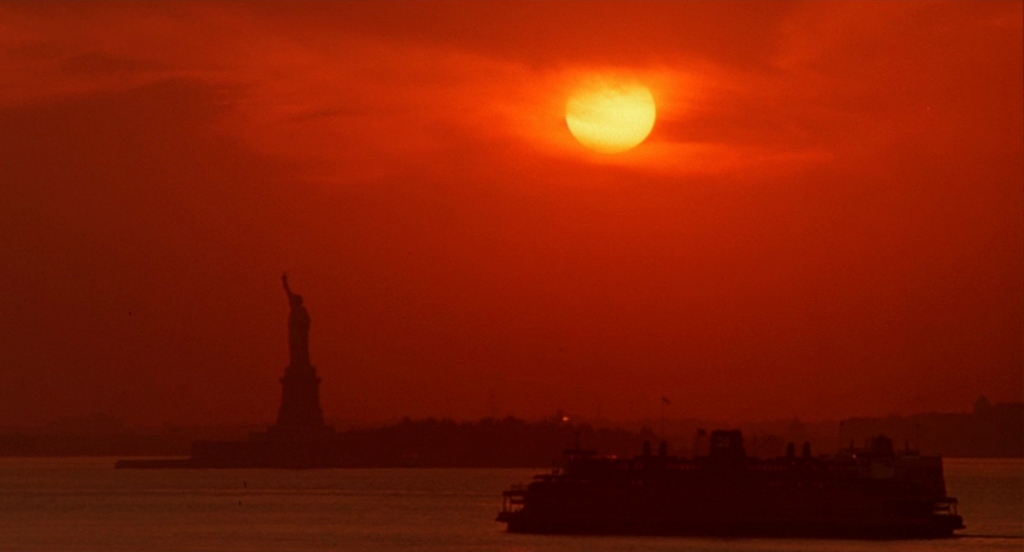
[(611, 117)]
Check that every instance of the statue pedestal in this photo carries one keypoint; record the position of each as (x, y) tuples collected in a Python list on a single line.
[(296, 435), (300, 399)]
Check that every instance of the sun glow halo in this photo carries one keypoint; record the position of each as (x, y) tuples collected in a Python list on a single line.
[(611, 118)]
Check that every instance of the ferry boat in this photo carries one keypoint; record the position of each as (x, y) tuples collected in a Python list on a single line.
[(874, 492)]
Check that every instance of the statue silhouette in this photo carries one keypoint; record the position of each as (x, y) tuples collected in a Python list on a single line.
[(300, 394), (298, 327)]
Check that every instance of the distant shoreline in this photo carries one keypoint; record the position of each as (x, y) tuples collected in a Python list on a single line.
[(511, 442)]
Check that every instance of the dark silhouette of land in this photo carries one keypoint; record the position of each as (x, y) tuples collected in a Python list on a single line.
[(514, 442), (490, 442), (990, 431)]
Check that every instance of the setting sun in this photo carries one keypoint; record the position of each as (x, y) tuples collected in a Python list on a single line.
[(611, 118)]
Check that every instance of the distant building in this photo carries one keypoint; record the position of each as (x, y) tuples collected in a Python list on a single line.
[(990, 431)]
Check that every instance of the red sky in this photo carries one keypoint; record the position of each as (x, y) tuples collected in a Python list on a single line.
[(826, 221)]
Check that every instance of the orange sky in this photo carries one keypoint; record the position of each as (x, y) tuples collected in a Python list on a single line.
[(826, 221)]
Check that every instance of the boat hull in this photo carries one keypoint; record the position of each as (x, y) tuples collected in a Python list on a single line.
[(710, 507), (851, 529)]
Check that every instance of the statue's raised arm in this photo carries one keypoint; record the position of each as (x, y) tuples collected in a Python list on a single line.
[(284, 280)]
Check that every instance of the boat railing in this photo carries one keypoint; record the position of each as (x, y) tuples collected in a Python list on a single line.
[(946, 507), (513, 499)]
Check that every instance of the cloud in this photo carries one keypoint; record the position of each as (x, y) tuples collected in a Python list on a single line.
[(351, 105)]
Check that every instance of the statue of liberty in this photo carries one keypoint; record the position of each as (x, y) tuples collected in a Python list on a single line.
[(298, 327), (300, 386)]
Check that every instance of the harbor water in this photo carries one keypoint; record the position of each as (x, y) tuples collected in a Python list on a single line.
[(78, 504)]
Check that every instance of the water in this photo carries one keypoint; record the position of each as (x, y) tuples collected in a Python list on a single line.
[(78, 504)]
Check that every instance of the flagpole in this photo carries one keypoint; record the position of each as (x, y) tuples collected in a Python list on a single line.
[(663, 401)]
